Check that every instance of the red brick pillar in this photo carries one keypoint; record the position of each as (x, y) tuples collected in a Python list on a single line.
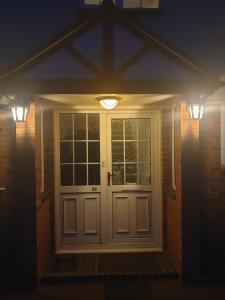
[(24, 197), (8, 262), (191, 196), (213, 200)]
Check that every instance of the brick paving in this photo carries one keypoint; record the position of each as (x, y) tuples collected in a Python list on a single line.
[(158, 290)]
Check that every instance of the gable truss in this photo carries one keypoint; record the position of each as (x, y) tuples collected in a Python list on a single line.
[(107, 79)]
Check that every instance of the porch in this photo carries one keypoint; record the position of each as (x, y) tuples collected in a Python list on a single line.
[(175, 207), (35, 212)]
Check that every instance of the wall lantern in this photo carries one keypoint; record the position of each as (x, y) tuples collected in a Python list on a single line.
[(195, 107), (19, 113), (18, 106), (19, 110), (196, 111), (108, 102)]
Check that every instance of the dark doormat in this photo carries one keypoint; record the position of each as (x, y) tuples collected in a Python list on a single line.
[(130, 266), (127, 290), (65, 263)]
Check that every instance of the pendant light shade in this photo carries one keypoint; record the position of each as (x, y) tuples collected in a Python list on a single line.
[(108, 102)]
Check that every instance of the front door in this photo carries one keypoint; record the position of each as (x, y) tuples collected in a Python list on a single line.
[(108, 179)]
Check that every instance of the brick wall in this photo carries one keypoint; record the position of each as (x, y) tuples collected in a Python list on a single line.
[(7, 144), (191, 196), (17, 208), (25, 213), (7, 205), (213, 198), (24, 198)]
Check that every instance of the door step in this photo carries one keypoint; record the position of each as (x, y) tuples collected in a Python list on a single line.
[(74, 267)]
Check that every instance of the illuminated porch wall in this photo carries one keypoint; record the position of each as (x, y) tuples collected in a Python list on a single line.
[(213, 196), (45, 198), (8, 263), (172, 197)]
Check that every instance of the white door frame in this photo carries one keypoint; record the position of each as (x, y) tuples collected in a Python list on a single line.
[(152, 189), (156, 181)]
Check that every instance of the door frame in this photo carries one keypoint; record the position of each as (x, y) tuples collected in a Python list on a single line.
[(153, 187), (156, 116)]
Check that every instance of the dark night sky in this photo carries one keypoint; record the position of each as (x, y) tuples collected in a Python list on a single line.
[(196, 27)]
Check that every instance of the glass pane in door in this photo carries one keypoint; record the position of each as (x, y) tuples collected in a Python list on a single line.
[(66, 127), (131, 151), (79, 149)]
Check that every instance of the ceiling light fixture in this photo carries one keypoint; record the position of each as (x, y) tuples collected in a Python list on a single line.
[(108, 102)]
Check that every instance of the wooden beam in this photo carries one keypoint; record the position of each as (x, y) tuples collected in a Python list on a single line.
[(85, 62), (108, 44), (51, 47), (132, 60), (98, 86), (162, 47)]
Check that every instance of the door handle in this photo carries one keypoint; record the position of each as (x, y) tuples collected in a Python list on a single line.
[(109, 179)]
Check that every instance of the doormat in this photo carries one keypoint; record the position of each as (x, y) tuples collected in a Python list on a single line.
[(124, 266), (65, 263), (127, 290)]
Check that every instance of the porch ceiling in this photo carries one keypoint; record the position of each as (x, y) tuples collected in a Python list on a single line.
[(90, 99)]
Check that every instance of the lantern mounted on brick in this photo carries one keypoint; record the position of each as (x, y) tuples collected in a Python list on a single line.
[(18, 106), (19, 109), (195, 107)]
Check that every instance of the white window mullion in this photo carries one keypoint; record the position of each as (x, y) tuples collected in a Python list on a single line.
[(87, 163), (173, 148), (129, 3), (124, 153), (73, 150), (223, 136)]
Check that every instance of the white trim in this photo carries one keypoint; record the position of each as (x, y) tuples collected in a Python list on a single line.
[(223, 135), (173, 148), (110, 250), (42, 151), (58, 232), (157, 184), (128, 3)]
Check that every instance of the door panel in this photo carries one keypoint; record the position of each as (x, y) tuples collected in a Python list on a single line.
[(132, 216), (121, 214), (81, 215), (70, 215), (143, 213), (131, 190), (80, 177), (91, 215)]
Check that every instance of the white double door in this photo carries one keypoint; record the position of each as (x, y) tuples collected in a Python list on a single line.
[(109, 180)]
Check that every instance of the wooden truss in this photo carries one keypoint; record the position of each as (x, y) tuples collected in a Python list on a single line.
[(108, 79)]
